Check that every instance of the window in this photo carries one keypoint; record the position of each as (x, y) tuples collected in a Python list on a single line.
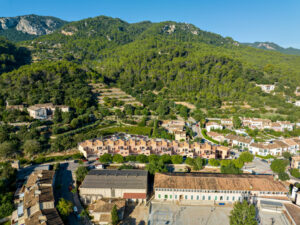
[(221, 198), (197, 197), (192, 197), (166, 196), (203, 197), (175, 196), (186, 197), (159, 196), (216, 198), (209, 197), (227, 198), (170, 196), (233, 198)]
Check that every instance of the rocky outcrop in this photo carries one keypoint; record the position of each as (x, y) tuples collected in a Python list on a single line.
[(31, 24)]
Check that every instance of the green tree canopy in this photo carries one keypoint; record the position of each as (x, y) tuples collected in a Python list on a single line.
[(81, 172), (237, 123), (156, 167), (214, 162), (7, 149), (246, 157), (142, 158), (114, 215), (176, 159), (105, 158), (118, 158), (279, 165), (243, 214), (65, 207), (31, 147)]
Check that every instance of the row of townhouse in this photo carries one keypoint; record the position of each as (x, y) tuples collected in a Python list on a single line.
[(35, 201), (135, 145)]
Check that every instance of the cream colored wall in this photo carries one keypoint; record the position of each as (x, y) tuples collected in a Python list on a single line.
[(107, 192)]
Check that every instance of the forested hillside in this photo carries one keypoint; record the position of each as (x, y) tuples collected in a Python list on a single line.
[(57, 82), (178, 61), (11, 56)]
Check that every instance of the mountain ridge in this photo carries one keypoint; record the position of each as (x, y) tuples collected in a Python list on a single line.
[(27, 27), (273, 47)]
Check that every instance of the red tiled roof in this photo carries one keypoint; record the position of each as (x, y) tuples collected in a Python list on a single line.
[(134, 195)]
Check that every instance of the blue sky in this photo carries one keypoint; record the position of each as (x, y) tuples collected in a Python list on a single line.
[(243, 20)]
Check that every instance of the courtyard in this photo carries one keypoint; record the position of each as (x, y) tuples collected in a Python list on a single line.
[(170, 213)]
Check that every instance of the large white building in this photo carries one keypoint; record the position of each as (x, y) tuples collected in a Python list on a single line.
[(217, 188), (213, 126)]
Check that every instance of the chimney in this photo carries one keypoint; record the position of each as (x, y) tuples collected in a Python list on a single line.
[(37, 192), (42, 218)]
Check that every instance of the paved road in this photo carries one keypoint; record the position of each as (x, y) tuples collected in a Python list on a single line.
[(63, 180)]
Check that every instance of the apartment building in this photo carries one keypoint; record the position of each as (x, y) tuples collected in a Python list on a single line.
[(217, 188), (136, 145), (35, 201)]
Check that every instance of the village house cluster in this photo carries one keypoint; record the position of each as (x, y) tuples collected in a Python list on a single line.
[(35, 201), (277, 147), (255, 123), (137, 145), (175, 127)]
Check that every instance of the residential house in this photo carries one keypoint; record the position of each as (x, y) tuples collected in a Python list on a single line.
[(213, 126), (286, 125), (228, 123), (101, 209), (266, 87), (297, 103), (216, 136), (240, 141), (180, 135), (295, 162), (122, 184), (45, 111)]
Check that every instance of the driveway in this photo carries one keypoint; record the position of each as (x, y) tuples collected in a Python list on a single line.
[(259, 166)]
